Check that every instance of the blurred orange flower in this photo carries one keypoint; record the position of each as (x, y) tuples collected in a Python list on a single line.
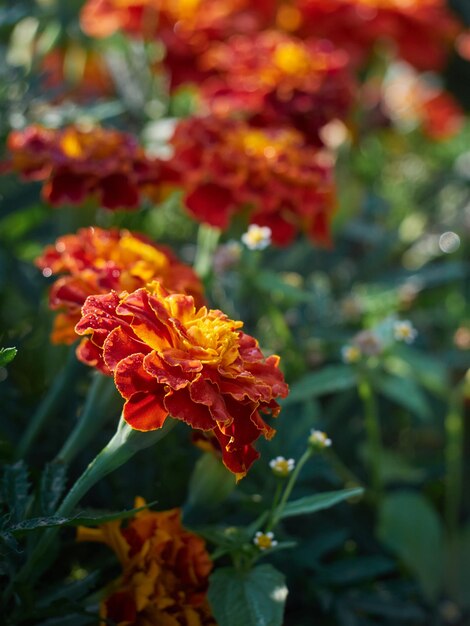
[(95, 261), (196, 365), (227, 167), (76, 72), (165, 570), (77, 164), (279, 79), (186, 27), (421, 31)]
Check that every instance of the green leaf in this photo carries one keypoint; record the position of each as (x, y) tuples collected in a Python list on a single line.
[(15, 489), (211, 482), (319, 501), (253, 598), (7, 355), (330, 379), (431, 372), (53, 482), (404, 392), (80, 519), (411, 528)]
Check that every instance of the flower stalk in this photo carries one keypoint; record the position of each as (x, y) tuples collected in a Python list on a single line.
[(207, 240), (125, 443), (95, 412), (374, 437)]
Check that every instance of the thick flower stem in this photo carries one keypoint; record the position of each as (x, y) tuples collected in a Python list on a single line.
[(123, 445), (50, 403), (95, 412), (454, 453), (288, 490), (372, 426), (207, 240)]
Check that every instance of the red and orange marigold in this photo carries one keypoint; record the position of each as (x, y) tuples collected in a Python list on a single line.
[(227, 167), (279, 79), (95, 261), (106, 165), (421, 31), (165, 571), (170, 358)]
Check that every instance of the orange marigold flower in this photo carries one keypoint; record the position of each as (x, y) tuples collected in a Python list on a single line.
[(185, 27), (78, 164), (95, 261), (279, 79), (227, 166), (165, 570), (421, 31), (196, 365)]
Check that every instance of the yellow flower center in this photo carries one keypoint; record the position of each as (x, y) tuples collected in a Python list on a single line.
[(217, 336), (292, 58)]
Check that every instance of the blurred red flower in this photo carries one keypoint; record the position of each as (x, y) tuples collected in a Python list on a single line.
[(227, 166), (196, 365), (421, 31), (165, 570), (95, 261), (278, 79), (186, 28), (106, 165)]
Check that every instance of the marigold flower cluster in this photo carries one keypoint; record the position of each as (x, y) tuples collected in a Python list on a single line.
[(185, 28), (170, 358), (279, 79), (165, 571), (96, 260), (77, 164), (228, 167), (418, 31)]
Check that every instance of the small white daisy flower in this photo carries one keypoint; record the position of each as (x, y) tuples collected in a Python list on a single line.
[(264, 541), (319, 440), (257, 237), (282, 467), (350, 354), (404, 331)]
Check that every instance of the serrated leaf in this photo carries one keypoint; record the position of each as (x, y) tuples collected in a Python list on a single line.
[(253, 598), (15, 489), (319, 501), (330, 379), (410, 527), (7, 355), (404, 392), (80, 519), (53, 481)]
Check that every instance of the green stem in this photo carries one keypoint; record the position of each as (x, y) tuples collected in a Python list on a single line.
[(95, 412), (277, 495), (207, 240), (55, 396), (290, 485), (454, 453), (123, 445), (374, 437)]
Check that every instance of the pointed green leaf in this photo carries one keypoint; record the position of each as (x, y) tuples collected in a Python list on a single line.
[(410, 527), (253, 598), (319, 501), (7, 355), (404, 392), (330, 379)]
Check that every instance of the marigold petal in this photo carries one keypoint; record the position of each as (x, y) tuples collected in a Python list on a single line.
[(180, 406)]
